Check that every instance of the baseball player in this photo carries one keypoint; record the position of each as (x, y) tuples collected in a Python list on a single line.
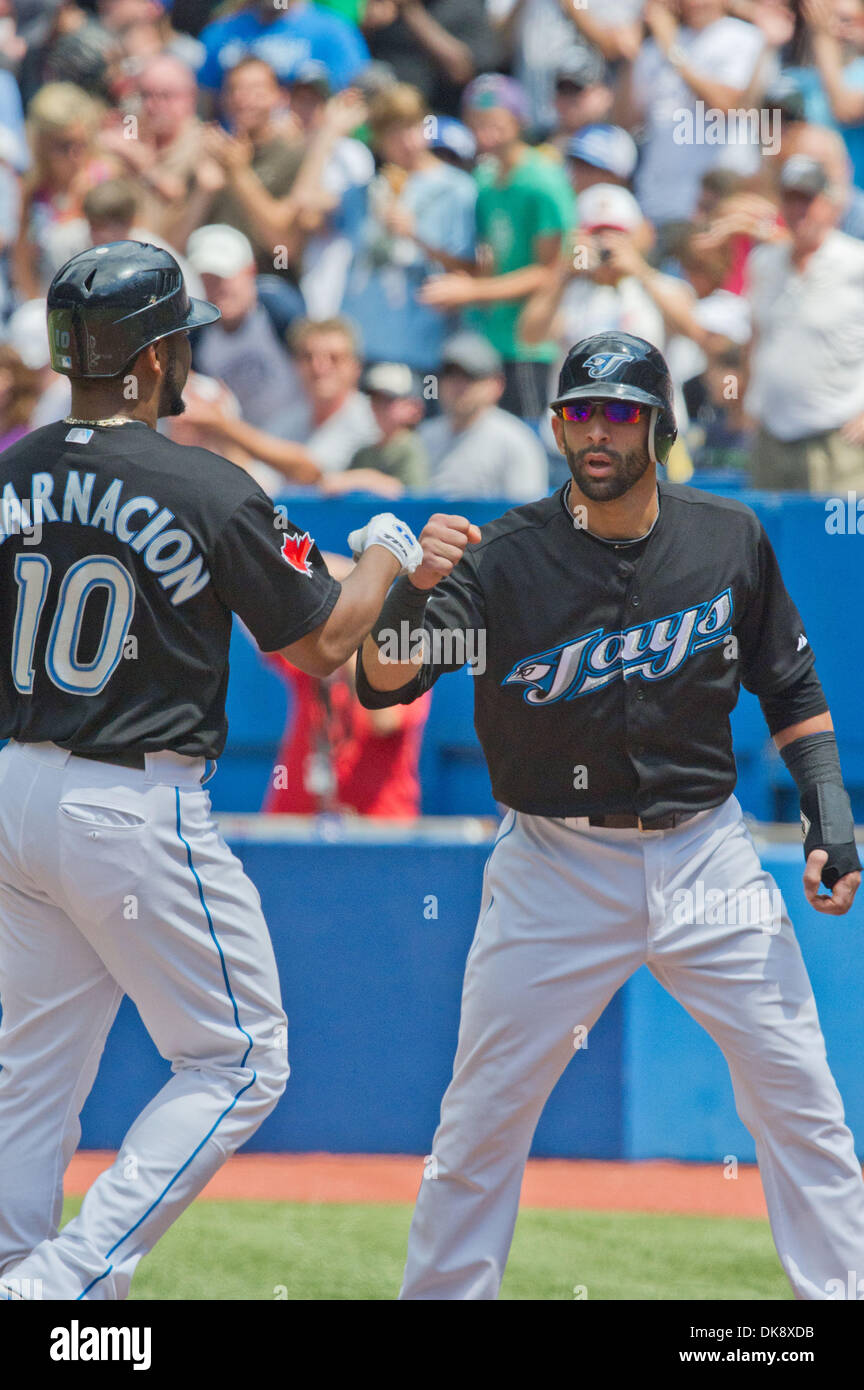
[(122, 556), (621, 616)]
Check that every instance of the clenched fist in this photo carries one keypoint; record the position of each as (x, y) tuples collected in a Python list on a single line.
[(443, 541)]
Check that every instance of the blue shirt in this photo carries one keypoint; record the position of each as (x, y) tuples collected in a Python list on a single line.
[(817, 108), (12, 117), (386, 273), (301, 35)]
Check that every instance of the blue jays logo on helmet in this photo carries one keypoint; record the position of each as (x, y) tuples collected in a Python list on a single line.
[(604, 363)]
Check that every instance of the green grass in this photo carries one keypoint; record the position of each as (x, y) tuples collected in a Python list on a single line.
[(298, 1251)]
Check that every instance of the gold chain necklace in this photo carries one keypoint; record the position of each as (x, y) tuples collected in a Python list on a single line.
[(112, 420)]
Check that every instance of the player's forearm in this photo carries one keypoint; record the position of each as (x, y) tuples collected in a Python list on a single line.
[(381, 671), (817, 724), (363, 592)]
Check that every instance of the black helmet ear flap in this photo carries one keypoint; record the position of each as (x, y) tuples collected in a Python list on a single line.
[(662, 434)]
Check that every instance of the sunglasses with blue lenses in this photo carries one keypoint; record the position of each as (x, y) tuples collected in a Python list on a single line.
[(616, 412)]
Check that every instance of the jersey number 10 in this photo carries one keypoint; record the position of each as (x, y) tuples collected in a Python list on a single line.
[(32, 575)]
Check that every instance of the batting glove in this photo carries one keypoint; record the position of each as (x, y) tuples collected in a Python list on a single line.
[(387, 530)]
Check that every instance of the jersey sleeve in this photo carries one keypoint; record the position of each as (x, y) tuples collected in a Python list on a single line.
[(774, 650), (272, 575), (455, 626)]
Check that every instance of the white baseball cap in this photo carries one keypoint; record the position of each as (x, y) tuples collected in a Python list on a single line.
[(27, 333), (726, 314), (219, 250), (608, 205)]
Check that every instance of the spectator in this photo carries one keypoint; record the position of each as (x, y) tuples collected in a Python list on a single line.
[(540, 35), (333, 419), (475, 448), (63, 122), (203, 395), (27, 333), (284, 37), (601, 154), (68, 45), (111, 213), (452, 142), (722, 435), (338, 757), (397, 459), (258, 162), (583, 98), (10, 214), (436, 46), (710, 58), (828, 148), (591, 288), (161, 146), (329, 195), (292, 228), (19, 395), (806, 388), (242, 348), (834, 92), (524, 207), (419, 219)]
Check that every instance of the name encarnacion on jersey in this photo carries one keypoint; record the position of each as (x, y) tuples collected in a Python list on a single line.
[(138, 522)]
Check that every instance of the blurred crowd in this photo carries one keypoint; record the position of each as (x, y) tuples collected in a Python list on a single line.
[(407, 212)]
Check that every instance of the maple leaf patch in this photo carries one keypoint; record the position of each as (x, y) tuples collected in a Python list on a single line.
[(295, 550)]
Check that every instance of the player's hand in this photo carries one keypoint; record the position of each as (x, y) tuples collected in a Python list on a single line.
[(844, 891), (443, 541)]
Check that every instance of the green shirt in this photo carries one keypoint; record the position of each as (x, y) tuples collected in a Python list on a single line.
[(403, 457), (534, 200)]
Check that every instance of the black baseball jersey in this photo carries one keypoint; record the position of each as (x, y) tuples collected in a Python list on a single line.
[(122, 556), (605, 672)]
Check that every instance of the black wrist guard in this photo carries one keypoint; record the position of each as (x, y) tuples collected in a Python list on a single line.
[(826, 812), (405, 603)]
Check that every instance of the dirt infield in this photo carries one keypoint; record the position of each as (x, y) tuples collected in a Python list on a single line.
[(688, 1188)]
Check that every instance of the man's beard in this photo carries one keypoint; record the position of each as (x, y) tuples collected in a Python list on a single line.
[(171, 400), (628, 469)]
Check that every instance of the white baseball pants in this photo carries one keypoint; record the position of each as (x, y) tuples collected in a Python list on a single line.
[(568, 913), (116, 881)]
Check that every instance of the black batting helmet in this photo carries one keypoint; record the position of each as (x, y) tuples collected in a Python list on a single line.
[(620, 366), (108, 303)]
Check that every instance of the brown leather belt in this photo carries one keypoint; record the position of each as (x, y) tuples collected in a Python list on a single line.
[(136, 760), (628, 822)]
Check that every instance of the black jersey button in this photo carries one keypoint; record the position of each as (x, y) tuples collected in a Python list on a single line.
[(640, 694), (635, 600)]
